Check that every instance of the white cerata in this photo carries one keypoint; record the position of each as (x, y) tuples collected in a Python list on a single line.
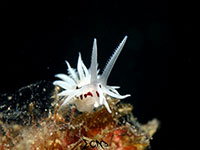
[(86, 88)]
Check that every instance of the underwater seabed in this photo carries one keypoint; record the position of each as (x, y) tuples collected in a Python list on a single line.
[(30, 120)]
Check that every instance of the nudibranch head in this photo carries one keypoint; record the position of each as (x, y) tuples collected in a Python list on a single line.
[(85, 87)]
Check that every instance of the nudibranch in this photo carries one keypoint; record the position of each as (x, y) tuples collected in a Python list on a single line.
[(86, 88)]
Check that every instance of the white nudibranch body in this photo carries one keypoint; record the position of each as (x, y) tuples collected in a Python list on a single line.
[(85, 87)]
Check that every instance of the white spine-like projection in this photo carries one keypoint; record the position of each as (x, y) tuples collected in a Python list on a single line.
[(85, 87)]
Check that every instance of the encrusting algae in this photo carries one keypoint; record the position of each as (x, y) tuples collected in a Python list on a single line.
[(99, 129)]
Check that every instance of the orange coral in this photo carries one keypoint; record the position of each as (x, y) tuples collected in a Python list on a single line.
[(27, 125), (96, 130)]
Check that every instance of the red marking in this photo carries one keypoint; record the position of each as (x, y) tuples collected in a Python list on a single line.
[(81, 96), (97, 93), (90, 94)]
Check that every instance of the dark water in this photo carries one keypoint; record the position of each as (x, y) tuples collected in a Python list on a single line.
[(155, 67)]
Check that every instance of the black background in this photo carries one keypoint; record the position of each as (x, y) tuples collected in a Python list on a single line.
[(155, 66)]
